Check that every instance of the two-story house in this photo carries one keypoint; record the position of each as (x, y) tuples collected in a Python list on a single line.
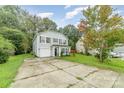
[(50, 43)]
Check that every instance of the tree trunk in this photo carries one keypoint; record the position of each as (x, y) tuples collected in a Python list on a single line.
[(101, 52), (86, 50), (101, 55)]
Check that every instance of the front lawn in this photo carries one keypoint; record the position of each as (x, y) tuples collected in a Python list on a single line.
[(115, 64), (9, 69)]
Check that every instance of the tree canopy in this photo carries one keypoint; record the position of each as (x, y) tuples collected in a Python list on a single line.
[(16, 21), (103, 29), (16, 37), (72, 33)]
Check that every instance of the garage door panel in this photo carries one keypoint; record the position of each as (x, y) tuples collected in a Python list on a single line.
[(45, 52)]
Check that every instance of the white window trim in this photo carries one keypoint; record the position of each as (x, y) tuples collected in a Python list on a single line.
[(44, 39), (50, 40), (55, 42)]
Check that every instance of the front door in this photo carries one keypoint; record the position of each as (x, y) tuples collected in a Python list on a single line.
[(56, 51)]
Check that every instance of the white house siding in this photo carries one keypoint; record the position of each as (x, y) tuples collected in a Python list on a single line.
[(45, 52), (119, 49), (80, 47), (48, 49)]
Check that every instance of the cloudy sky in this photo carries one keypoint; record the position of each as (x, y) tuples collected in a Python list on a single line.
[(62, 14)]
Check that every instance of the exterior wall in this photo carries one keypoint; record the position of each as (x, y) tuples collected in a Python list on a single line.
[(79, 47), (54, 35), (119, 49)]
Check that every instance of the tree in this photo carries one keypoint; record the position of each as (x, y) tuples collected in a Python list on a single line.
[(82, 26), (6, 45), (7, 19), (72, 33), (17, 38), (47, 24), (15, 17), (103, 29), (25, 44)]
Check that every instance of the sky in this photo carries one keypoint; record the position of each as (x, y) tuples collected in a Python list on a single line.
[(63, 15)]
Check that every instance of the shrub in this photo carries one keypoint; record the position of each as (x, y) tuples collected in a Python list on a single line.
[(104, 55), (3, 56), (6, 48)]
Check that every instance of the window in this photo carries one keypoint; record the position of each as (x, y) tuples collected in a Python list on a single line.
[(64, 42), (48, 40), (60, 41), (42, 39), (55, 40)]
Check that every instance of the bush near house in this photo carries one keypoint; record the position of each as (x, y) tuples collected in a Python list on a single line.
[(3, 56)]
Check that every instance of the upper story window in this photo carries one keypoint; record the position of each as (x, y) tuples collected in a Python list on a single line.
[(60, 41), (48, 40), (55, 40), (42, 39), (64, 42)]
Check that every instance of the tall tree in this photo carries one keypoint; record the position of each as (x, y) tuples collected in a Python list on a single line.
[(103, 29), (17, 38), (72, 33), (82, 26), (7, 18), (47, 24), (17, 18)]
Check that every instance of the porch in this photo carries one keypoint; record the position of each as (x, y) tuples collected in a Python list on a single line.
[(60, 50)]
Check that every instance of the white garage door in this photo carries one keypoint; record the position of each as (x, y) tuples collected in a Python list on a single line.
[(45, 52)]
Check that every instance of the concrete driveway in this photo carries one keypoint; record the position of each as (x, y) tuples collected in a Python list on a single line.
[(54, 73)]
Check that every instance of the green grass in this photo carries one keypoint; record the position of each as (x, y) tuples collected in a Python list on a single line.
[(9, 69), (114, 64)]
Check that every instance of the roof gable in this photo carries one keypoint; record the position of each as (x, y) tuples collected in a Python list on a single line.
[(52, 34)]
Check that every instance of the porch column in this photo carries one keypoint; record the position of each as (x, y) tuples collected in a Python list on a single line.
[(59, 51), (69, 50), (53, 51)]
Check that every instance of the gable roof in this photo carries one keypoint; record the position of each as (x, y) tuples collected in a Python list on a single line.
[(37, 34)]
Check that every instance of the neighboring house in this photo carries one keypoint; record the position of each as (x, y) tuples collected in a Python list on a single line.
[(80, 46), (119, 48), (118, 51), (50, 43)]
